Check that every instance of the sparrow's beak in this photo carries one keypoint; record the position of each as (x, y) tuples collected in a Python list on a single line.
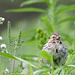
[(58, 37)]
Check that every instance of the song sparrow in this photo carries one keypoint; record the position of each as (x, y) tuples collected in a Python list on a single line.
[(59, 49)]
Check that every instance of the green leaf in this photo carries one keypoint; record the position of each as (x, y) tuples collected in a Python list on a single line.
[(59, 69), (67, 19), (31, 71), (40, 71), (51, 59), (66, 8), (28, 63), (8, 55), (45, 55), (30, 2), (26, 10), (71, 66), (16, 58)]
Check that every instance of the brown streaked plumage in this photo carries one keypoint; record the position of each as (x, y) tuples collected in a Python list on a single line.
[(59, 49)]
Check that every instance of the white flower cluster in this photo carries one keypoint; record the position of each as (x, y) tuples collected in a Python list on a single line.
[(2, 20), (3, 47), (4, 50)]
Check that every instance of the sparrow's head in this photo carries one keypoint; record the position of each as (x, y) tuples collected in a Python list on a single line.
[(55, 36)]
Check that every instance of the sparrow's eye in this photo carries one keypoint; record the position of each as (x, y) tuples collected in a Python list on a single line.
[(53, 37)]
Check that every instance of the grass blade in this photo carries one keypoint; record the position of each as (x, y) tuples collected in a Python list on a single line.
[(26, 10), (51, 59), (16, 58), (71, 66), (30, 2), (8, 55), (28, 63), (59, 69), (31, 71), (40, 71)]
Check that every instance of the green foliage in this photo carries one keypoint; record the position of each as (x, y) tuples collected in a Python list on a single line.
[(52, 22), (47, 22), (7, 55), (9, 35), (67, 19), (30, 2), (1, 20), (16, 58), (45, 55), (41, 37), (65, 8), (31, 71), (26, 10), (40, 71)]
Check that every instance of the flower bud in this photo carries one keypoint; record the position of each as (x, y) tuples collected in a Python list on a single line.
[(41, 41), (37, 37), (39, 30)]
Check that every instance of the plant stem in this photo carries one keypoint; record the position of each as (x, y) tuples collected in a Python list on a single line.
[(12, 69), (9, 34), (17, 43), (52, 11), (9, 38)]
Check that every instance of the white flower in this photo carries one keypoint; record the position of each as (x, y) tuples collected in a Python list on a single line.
[(6, 70), (3, 19), (0, 38), (3, 45)]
